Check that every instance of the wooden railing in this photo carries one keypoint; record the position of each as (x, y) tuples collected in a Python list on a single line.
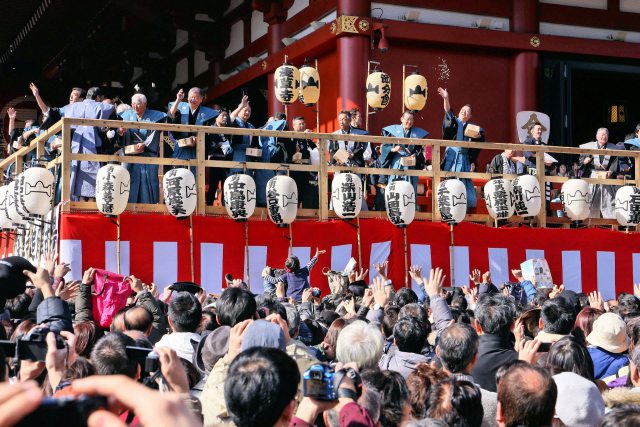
[(323, 169)]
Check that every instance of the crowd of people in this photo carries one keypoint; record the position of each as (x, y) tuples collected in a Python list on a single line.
[(361, 354), (188, 109)]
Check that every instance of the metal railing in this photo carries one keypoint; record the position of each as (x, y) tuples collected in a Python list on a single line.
[(65, 157)]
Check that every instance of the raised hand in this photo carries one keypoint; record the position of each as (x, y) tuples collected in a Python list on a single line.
[(319, 252), (11, 112), (68, 291), (475, 276), (443, 93), (34, 89), (362, 274), (381, 268), (433, 286), (517, 274), (172, 370), (61, 270), (529, 351), (381, 295), (367, 299), (555, 291), (180, 95), (415, 271), (486, 277), (595, 300)]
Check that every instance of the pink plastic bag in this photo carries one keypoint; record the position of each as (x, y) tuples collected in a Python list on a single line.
[(111, 293)]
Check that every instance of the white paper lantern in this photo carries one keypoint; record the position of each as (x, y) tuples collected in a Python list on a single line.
[(112, 189), (498, 193), (346, 195), (452, 200), (309, 86), (400, 201), (239, 196), (415, 92), (378, 90), (282, 200), (37, 185), (5, 222), (526, 195), (576, 199), (286, 81), (628, 205), (180, 195), (13, 212)]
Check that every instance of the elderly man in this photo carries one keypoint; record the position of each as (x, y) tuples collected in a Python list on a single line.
[(600, 166), (458, 159), (144, 178), (189, 113), (392, 155)]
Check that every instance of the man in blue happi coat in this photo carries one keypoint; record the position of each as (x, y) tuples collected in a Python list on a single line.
[(189, 113), (144, 178), (87, 140), (458, 159), (391, 155)]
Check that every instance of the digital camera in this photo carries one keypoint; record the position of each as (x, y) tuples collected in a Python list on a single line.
[(318, 382), (316, 292)]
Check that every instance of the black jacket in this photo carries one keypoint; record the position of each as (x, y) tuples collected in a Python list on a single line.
[(493, 352)]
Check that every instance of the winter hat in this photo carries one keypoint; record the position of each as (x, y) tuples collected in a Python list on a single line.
[(579, 402), (262, 333), (609, 333)]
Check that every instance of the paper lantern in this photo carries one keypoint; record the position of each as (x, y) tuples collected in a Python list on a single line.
[(378, 90), (628, 205), (239, 196), (498, 193), (180, 194), (415, 92), (282, 200), (37, 186), (13, 212), (112, 189), (309, 86), (452, 200), (576, 199), (400, 201), (346, 195), (5, 222), (286, 81), (526, 195)]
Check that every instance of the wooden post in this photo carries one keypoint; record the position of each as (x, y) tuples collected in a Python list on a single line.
[(161, 169), (200, 179), (452, 257), (359, 242), (290, 240), (540, 173), (66, 166), (246, 253), (317, 105), (118, 243), (406, 259), (435, 168), (193, 277), (323, 181)]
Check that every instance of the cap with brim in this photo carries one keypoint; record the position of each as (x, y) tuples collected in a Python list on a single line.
[(211, 348), (609, 333), (13, 282), (190, 287)]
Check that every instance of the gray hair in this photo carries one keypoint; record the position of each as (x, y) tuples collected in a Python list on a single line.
[(200, 91), (139, 98), (360, 342), (604, 129), (293, 319)]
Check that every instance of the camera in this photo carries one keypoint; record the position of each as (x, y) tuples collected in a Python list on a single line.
[(318, 382), (316, 292), (148, 359), (65, 411), (32, 346)]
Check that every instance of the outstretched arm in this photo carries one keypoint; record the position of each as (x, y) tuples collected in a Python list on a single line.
[(36, 94), (174, 107), (243, 104), (11, 112), (445, 99)]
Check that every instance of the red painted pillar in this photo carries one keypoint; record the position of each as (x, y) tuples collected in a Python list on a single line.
[(525, 66), (275, 13), (353, 55)]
